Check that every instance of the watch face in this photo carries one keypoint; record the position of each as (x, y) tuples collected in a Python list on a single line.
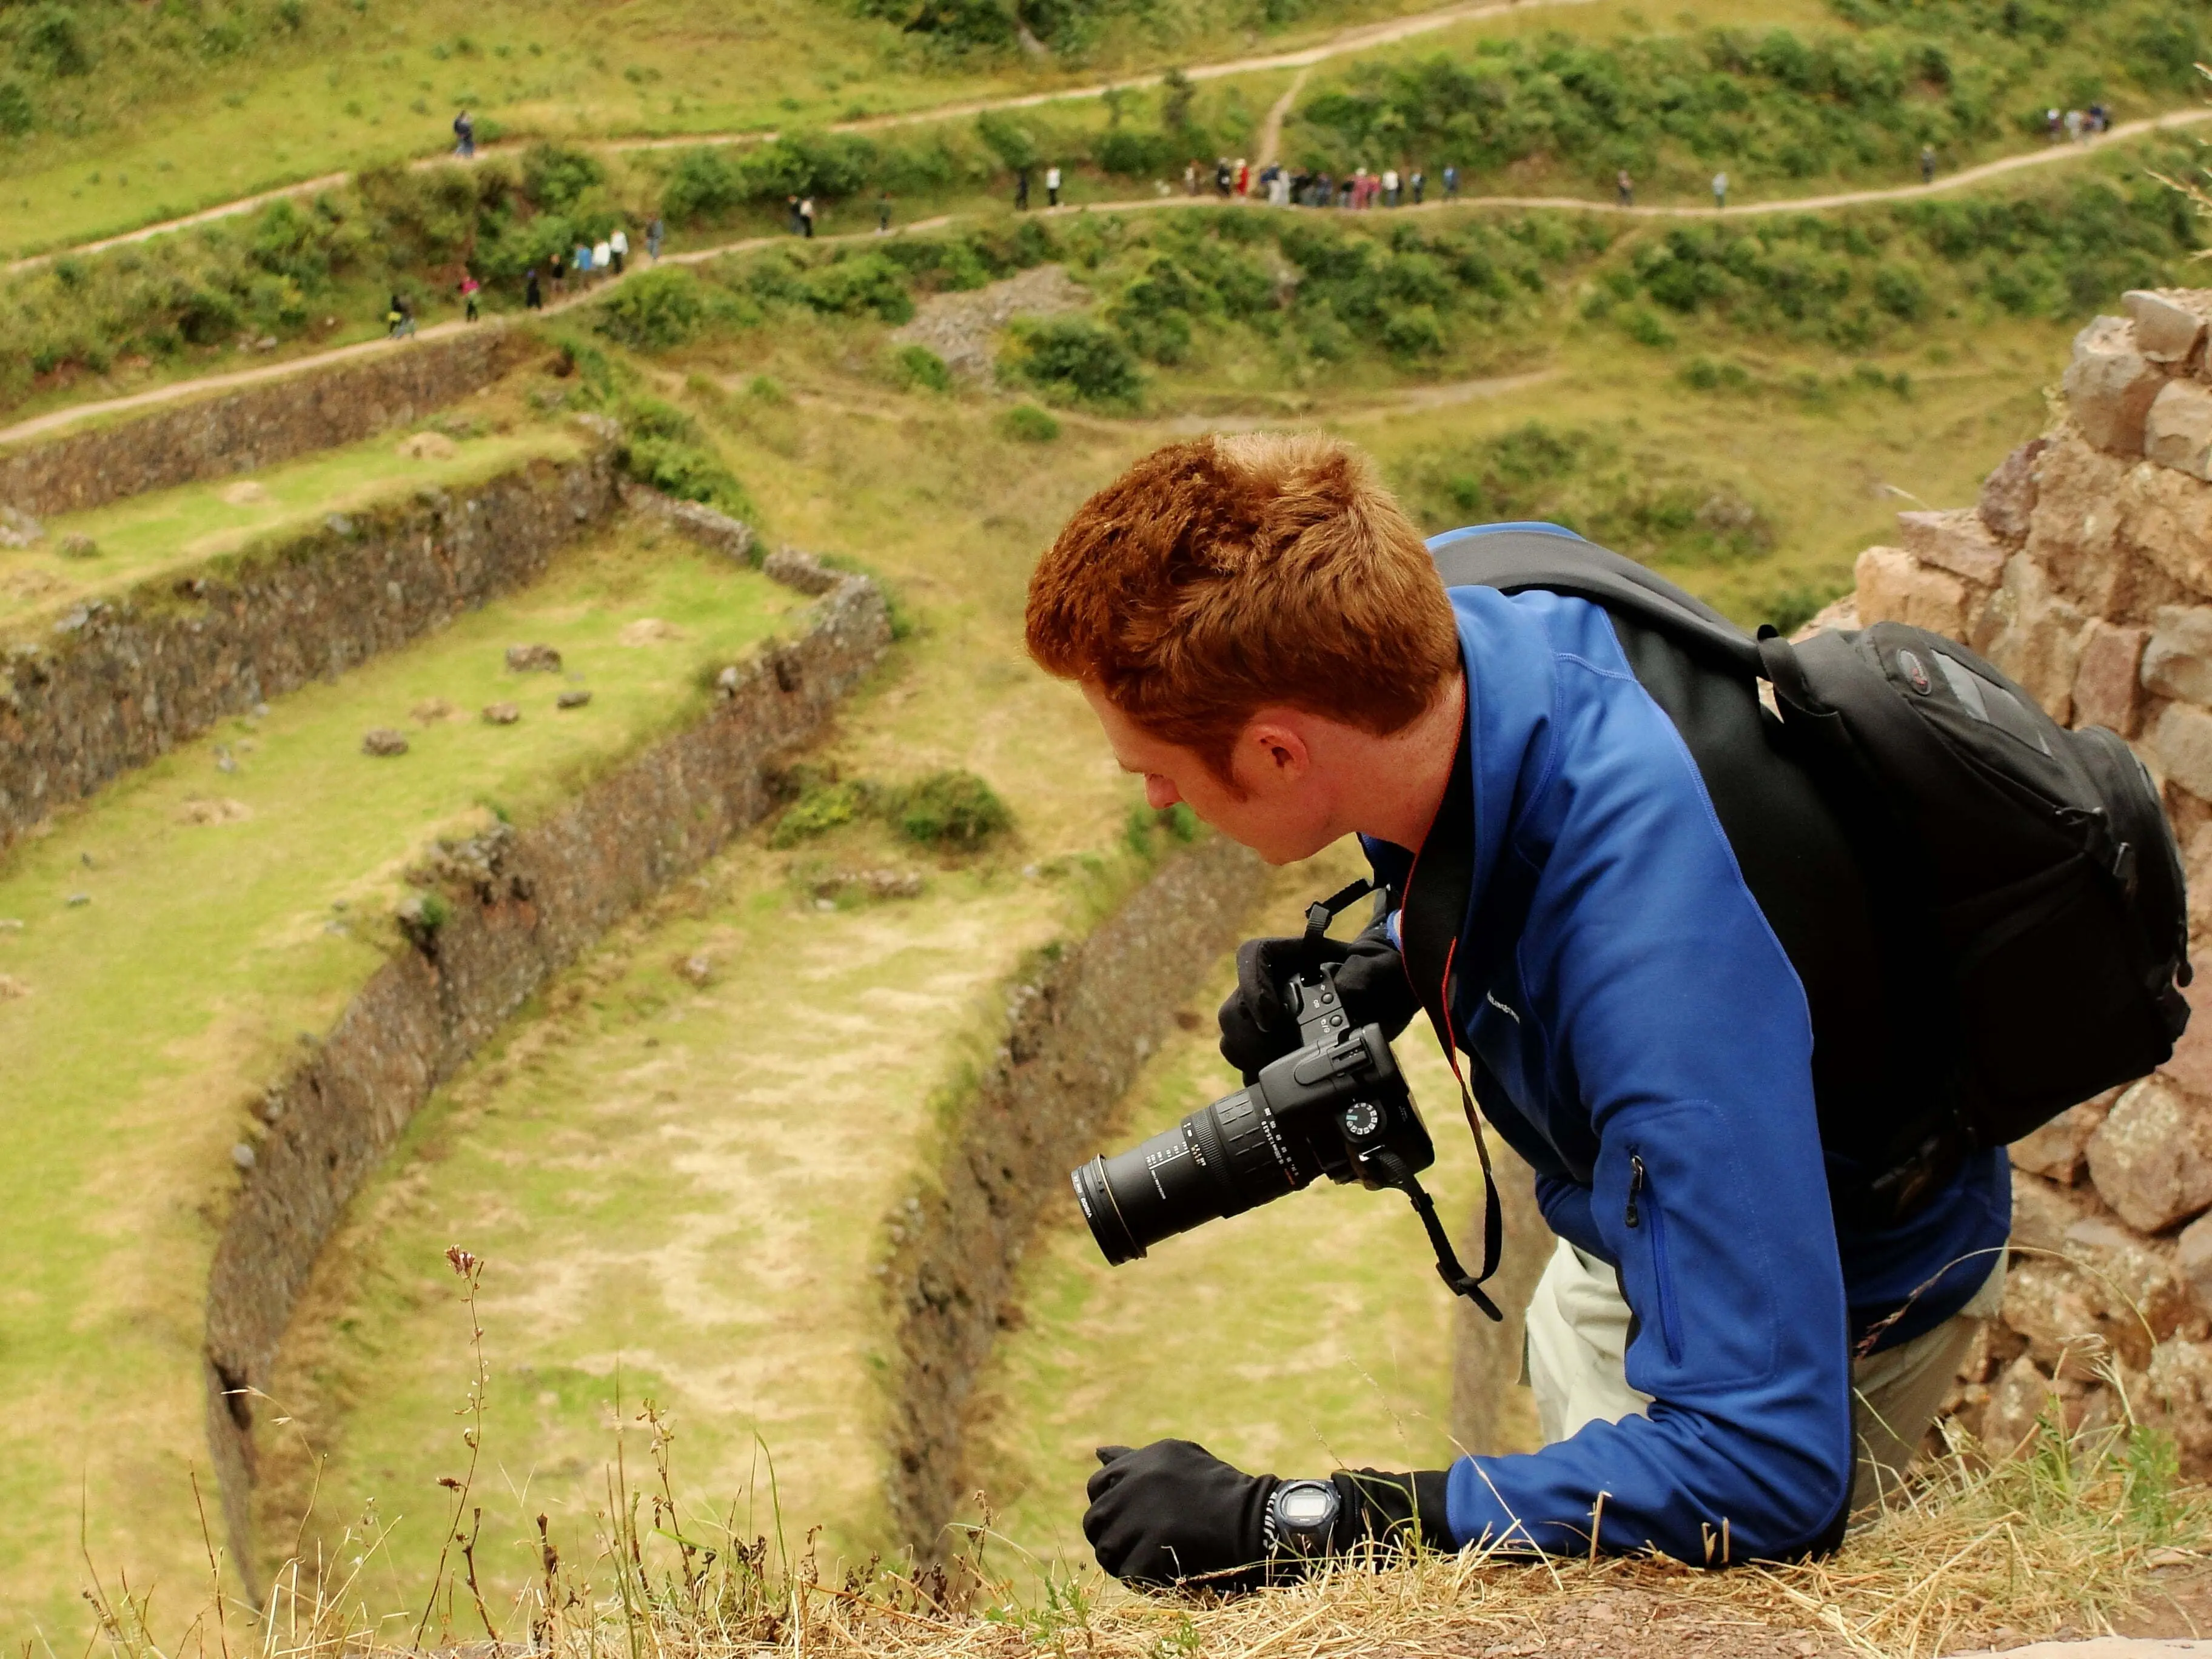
[(1308, 1504)]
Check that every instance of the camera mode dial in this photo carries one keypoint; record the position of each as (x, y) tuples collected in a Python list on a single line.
[(1361, 1119)]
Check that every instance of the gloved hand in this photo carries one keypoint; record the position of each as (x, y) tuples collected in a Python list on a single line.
[(1256, 1023), (1174, 1512)]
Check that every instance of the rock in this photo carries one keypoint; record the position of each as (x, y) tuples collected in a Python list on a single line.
[(75, 546), (2177, 657), (2074, 533), (698, 968), (501, 713), (2179, 1385), (2009, 493), (2134, 1286), (431, 710), (245, 493), (2192, 1262), (1838, 614), (2018, 1398), (203, 813), (1892, 585), (2054, 1305), (2058, 1150), (875, 883), (77, 900), (2182, 743), (2151, 1158), (18, 529), (242, 1155), (2109, 386), (2166, 515), (2177, 431), (532, 660), (12, 989), (383, 740), (2042, 1212), (2197, 869), (649, 630), (2034, 634), (2189, 1066), (575, 699), (803, 571), (2166, 331), (1956, 541), (2107, 680), (428, 447)]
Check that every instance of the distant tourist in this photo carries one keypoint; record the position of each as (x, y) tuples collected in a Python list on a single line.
[(1451, 182), (2100, 119), (807, 217), (469, 288), (1419, 183), (465, 136), (554, 269), (1224, 179), (533, 297), (2074, 126), (883, 213), (1389, 186), (1243, 177), (2051, 126), (603, 257), (618, 246), (653, 235), (581, 262), (791, 202), (399, 317), (1052, 186), (1190, 177), (1927, 164), (1624, 188), (1720, 191)]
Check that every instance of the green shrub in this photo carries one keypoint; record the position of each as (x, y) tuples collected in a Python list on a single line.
[(1079, 358), (823, 808), (955, 809), (558, 177), (17, 115), (654, 310), (918, 366), (1027, 424), (867, 282)]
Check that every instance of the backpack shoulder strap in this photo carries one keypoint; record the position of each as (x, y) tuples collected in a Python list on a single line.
[(1512, 557)]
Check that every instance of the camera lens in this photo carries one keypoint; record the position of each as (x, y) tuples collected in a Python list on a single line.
[(1219, 1161)]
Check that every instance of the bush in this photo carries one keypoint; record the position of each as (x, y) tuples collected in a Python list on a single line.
[(654, 310), (558, 177), (957, 809), (1027, 424), (865, 282), (1079, 357), (820, 809), (918, 366), (17, 116)]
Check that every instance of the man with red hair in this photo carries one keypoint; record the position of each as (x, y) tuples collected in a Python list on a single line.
[(1264, 636)]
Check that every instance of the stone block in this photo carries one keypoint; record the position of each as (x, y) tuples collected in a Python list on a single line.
[(2075, 531), (2018, 1398), (2192, 1263), (2177, 659), (1956, 541), (2190, 1066), (2034, 634), (2134, 1286), (1894, 586), (2166, 516), (2050, 1303), (2180, 1388), (2042, 1210), (2058, 1150), (2109, 386), (2168, 325), (2196, 870), (2107, 683), (2181, 745), (2151, 1158), (2008, 495), (2177, 431)]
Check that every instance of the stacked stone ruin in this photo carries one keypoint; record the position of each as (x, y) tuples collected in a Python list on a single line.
[(2085, 572)]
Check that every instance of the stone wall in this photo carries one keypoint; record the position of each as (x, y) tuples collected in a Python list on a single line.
[(504, 913), (2085, 572), (256, 426), (119, 681), (1079, 1026)]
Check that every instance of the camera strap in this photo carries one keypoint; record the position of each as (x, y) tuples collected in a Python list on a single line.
[(1431, 913)]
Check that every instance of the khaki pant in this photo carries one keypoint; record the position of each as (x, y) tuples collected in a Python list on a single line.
[(1577, 1338)]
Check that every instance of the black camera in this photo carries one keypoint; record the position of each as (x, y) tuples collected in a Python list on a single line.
[(1338, 1107)]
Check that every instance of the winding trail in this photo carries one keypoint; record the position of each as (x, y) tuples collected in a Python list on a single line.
[(2043, 155)]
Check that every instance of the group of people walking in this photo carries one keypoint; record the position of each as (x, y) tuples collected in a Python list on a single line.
[(1361, 188), (587, 263)]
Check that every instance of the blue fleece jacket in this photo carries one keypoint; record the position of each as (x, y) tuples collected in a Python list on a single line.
[(1619, 980)]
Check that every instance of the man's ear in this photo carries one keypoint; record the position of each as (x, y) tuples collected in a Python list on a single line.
[(1273, 751)]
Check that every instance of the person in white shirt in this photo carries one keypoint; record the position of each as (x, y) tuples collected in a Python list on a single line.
[(1389, 186), (619, 245), (602, 256), (1052, 186)]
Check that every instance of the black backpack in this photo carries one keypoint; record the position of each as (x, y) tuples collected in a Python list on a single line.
[(1986, 909)]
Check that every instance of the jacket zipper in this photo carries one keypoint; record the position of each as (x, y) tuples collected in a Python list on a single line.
[(1640, 1202)]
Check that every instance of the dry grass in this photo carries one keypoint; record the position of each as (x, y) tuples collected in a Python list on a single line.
[(2062, 1539)]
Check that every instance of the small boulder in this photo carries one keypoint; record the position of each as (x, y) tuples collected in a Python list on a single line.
[(1894, 586), (383, 740), (2177, 661), (242, 1156), (532, 660), (2152, 1158), (2107, 681), (2009, 493), (75, 546), (431, 710), (2059, 1150), (1956, 541), (697, 969), (18, 529), (2109, 386), (2177, 431), (575, 699), (501, 713), (2192, 1262), (428, 447), (2166, 331)]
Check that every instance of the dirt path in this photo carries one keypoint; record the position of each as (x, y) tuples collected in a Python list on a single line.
[(2046, 155), (1271, 129)]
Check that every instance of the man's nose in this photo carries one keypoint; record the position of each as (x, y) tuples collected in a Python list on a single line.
[(1160, 793)]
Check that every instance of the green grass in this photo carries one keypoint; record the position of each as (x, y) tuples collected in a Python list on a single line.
[(145, 537), (152, 1013)]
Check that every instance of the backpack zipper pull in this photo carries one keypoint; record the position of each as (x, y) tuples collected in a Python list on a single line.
[(1635, 1186)]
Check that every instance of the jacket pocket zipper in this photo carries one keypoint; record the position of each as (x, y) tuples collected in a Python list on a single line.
[(1641, 1202)]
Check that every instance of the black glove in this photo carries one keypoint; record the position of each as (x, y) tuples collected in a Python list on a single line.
[(1392, 1510), (1174, 1511), (1257, 1025)]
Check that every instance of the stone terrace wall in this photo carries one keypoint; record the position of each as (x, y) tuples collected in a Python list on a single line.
[(2085, 572), (255, 427), (1078, 1031), (518, 905), (119, 681)]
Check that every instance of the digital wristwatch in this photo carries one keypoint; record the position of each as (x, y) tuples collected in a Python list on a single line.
[(1301, 1520)]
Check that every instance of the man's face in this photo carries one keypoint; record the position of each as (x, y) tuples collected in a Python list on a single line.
[(1279, 808)]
